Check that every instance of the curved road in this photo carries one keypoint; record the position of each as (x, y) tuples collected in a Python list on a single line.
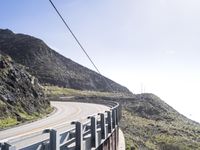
[(65, 113)]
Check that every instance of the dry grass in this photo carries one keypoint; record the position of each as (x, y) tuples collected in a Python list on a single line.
[(59, 91)]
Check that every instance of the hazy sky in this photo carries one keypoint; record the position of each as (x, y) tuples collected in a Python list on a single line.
[(154, 44)]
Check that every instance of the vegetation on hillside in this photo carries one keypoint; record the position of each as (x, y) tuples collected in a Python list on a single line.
[(54, 91), (150, 124), (21, 97)]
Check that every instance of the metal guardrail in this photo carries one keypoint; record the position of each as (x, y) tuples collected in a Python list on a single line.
[(91, 134)]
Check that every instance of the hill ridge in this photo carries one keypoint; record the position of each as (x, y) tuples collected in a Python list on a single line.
[(50, 67)]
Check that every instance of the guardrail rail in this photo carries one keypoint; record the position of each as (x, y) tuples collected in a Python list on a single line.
[(99, 131)]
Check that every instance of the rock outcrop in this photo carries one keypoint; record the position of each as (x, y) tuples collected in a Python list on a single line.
[(20, 92)]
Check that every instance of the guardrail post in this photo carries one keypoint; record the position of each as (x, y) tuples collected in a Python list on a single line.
[(7, 146), (45, 146), (93, 132), (79, 135), (117, 116), (114, 118), (120, 111), (109, 121), (54, 140), (103, 126)]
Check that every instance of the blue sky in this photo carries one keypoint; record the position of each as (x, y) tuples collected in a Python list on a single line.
[(152, 44)]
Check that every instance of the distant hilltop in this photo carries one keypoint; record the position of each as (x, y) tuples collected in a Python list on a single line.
[(50, 67)]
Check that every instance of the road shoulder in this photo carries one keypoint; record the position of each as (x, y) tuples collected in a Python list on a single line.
[(121, 140)]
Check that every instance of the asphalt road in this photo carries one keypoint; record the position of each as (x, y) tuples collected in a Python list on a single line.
[(65, 113)]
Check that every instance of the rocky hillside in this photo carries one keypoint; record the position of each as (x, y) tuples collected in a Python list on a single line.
[(150, 124), (50, 67), (21, 97)]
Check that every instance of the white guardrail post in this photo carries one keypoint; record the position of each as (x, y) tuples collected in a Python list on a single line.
[(109, 121), (79, 135), (7, 146), (54, 140), (103, 126), (117, 116), (114, 118), (93, 132)]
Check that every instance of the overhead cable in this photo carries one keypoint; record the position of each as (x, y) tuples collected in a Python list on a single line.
[(74, 36)]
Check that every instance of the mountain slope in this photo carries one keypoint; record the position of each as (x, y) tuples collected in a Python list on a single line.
[(150, 124), (50, 67), (21, 97)]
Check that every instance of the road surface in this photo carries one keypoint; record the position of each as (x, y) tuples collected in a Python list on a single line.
[(65, 113)]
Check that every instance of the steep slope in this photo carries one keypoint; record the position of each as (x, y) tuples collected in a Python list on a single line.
[(21, 97), (50, 67)]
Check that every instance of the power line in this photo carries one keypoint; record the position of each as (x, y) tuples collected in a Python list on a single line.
[(83, 49), (74, 36)]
